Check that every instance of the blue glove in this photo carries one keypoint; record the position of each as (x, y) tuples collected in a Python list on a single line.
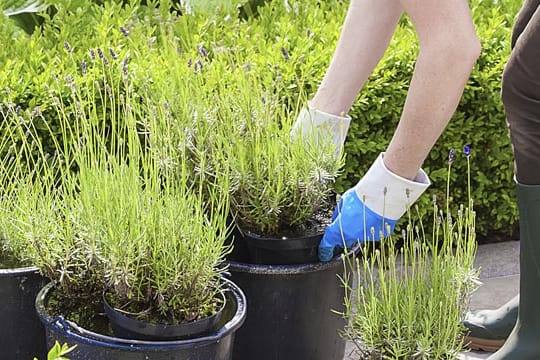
[(352, 222), (370, 209)]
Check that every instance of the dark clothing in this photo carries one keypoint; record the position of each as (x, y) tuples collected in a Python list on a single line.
[(521, 93)]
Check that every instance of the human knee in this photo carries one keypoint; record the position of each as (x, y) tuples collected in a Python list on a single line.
[(467, 47), (472, 48), (459, 47)]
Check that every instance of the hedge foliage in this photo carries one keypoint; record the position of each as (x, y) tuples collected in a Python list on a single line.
[(288, 45)]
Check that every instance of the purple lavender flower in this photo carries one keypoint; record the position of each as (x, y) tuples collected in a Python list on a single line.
[(70, 81), (198, 65), (83, 67), (92, 54), (124, 65), (124, 31), (190, 62), (202, 51), (100, 53), (113, 54), (285, 53), (36, 112), (68, 47), (451, 155), (467, 150)]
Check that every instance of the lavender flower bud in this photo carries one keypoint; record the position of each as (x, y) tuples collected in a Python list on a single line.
[(202, 51), (198, 65), (190, 62), (70, 81), (124, 31), (113, 54), (68, 47), (124, 65), (83, 67), (451, 155), (285, 53), (467, 150), (92, 54), (100, 53)]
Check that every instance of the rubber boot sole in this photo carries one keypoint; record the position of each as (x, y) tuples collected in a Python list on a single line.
[(479, 344)]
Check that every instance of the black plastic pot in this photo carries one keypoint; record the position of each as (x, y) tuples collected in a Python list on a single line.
[(130, 328), (283, 250), (22, 335), (92, 346), (291, 311)]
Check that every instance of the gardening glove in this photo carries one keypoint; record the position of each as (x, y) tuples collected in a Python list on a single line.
[(318, 126), (370, 210)]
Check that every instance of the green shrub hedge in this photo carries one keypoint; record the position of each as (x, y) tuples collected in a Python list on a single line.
[(287, 45)]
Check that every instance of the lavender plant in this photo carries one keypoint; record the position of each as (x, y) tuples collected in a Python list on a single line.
[(413, 291), (281, 185), (118, 206), (42, 224), (159, 236)]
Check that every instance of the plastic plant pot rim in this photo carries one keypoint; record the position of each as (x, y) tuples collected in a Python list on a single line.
[(59, 324), (19, 271), (284, 242), (183, 330), (293, 269)]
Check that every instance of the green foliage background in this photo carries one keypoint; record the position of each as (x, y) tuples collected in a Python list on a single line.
[(288, 44)]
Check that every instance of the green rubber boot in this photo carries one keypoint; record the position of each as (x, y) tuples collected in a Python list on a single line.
[(489, 329), (524, 341)]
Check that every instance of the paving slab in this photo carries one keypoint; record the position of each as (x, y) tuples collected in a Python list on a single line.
[(498, 259), (499, 275)]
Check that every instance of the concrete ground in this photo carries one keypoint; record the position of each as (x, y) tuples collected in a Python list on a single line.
[(499, 266)]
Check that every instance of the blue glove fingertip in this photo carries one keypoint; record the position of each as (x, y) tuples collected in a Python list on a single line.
[(326, 254)]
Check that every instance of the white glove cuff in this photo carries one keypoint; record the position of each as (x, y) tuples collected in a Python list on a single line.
[(320, 125), (388, 194)]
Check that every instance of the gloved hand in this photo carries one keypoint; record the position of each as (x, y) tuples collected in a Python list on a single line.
[(314, 126), (371, 208)]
